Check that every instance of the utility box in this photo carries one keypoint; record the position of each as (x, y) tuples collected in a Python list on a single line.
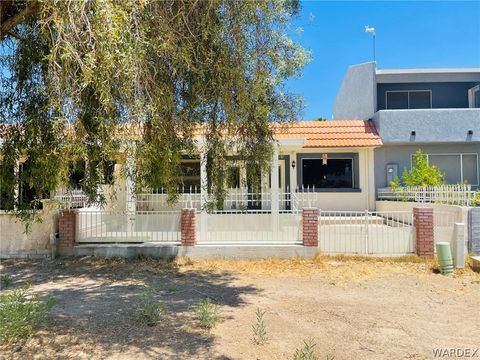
[(392, 173)]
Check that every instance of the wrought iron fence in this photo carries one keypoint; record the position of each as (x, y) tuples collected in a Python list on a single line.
[(366, 232)]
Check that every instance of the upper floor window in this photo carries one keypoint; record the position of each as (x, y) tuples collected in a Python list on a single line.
[(409, 99), (474, 97)]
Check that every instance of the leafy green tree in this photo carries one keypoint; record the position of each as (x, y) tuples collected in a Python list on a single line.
[(421, 174), (83, 79)]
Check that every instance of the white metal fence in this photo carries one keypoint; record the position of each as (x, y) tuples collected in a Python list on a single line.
[(71, 198), (445, 194), (252, 227), (100, 226), (235, 199), (366, 233)]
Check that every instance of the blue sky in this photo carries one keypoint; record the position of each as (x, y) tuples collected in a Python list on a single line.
[(410, 34)]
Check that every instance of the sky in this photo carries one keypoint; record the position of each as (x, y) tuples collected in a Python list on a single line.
[(409, 34)]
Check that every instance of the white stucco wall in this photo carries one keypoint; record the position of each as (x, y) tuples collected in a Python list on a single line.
[(15, 243)]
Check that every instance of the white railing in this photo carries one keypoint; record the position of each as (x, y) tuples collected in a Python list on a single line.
[(255, 227), (235, 199), (101, 226), (366, 232), (445, 194), (71, 198)]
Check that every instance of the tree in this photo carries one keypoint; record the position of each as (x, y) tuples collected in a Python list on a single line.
[(83, 79), (421, 174)]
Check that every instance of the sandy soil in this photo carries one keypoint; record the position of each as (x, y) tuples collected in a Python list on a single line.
[(351, 308)]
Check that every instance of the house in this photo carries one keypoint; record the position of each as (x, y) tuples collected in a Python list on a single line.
[(325, 164), (435, 110)]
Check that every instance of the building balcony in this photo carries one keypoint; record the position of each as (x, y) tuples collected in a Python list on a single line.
[(428, 125)]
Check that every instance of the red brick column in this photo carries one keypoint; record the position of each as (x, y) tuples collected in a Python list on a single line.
[(66, 232), (310, 226), (189, 227), (424, 238)]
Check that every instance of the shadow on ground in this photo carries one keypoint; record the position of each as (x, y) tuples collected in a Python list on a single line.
[(97, 302)]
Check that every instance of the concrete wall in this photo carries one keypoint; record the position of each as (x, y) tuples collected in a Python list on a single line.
[(458, 213), (444, 95), (356, 98), (15, 243), (430, 125), (401, 155)]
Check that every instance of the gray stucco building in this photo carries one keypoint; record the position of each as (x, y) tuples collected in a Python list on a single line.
[(435, 110)]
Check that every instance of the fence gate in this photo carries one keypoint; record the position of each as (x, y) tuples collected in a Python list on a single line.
[(366, 233)]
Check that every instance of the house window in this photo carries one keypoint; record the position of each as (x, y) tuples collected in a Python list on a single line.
[(233, 177), (190, 176), (7, 183), (458, 168), (409, 99), (335, 173), (474, 97)]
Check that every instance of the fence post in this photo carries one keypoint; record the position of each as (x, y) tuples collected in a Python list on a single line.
[(424, 232), (189, 227), (458, 243), (66, 232), (310, 226)]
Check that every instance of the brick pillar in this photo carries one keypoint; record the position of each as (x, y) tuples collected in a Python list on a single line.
[(310, 226), (189, 227), (66, 232), (424, 238)]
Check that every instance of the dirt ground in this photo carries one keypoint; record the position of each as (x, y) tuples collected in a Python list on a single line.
[(352, 308)]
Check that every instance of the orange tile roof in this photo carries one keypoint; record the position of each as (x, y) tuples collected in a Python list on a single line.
[(332, 133)]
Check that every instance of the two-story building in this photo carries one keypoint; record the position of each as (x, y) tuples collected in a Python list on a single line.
[(435, 110)]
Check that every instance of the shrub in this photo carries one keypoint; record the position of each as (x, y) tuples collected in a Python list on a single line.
[(259, 329), (421, 174), (207, 314), (5, 280), (151, 311), (22, 315)]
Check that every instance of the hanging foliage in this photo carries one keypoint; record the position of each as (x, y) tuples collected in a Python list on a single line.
[(82, 80)]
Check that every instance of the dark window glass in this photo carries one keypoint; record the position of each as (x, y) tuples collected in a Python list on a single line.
[(77, 174), (336, 173), (420, 99), (7, 185), (108, 171), (233, 177), (191, 176), (397, 100), (476, 96), (29, 196)]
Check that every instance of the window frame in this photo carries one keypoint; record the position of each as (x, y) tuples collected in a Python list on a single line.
[(408, 98), (335, 158), (471, 97), (461, 163)]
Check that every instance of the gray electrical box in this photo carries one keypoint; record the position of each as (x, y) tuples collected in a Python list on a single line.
[(392, 173)]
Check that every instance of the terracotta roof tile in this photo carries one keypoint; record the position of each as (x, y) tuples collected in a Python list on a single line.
[(333, 133)]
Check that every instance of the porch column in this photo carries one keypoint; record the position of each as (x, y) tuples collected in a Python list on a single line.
[(274, 193), (203, 179), (203, 194), (130, 192)]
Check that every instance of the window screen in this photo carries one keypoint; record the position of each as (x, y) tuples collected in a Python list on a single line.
[(336, 173), (448, 164), (419, 100), (470, 170), (397, 100)]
